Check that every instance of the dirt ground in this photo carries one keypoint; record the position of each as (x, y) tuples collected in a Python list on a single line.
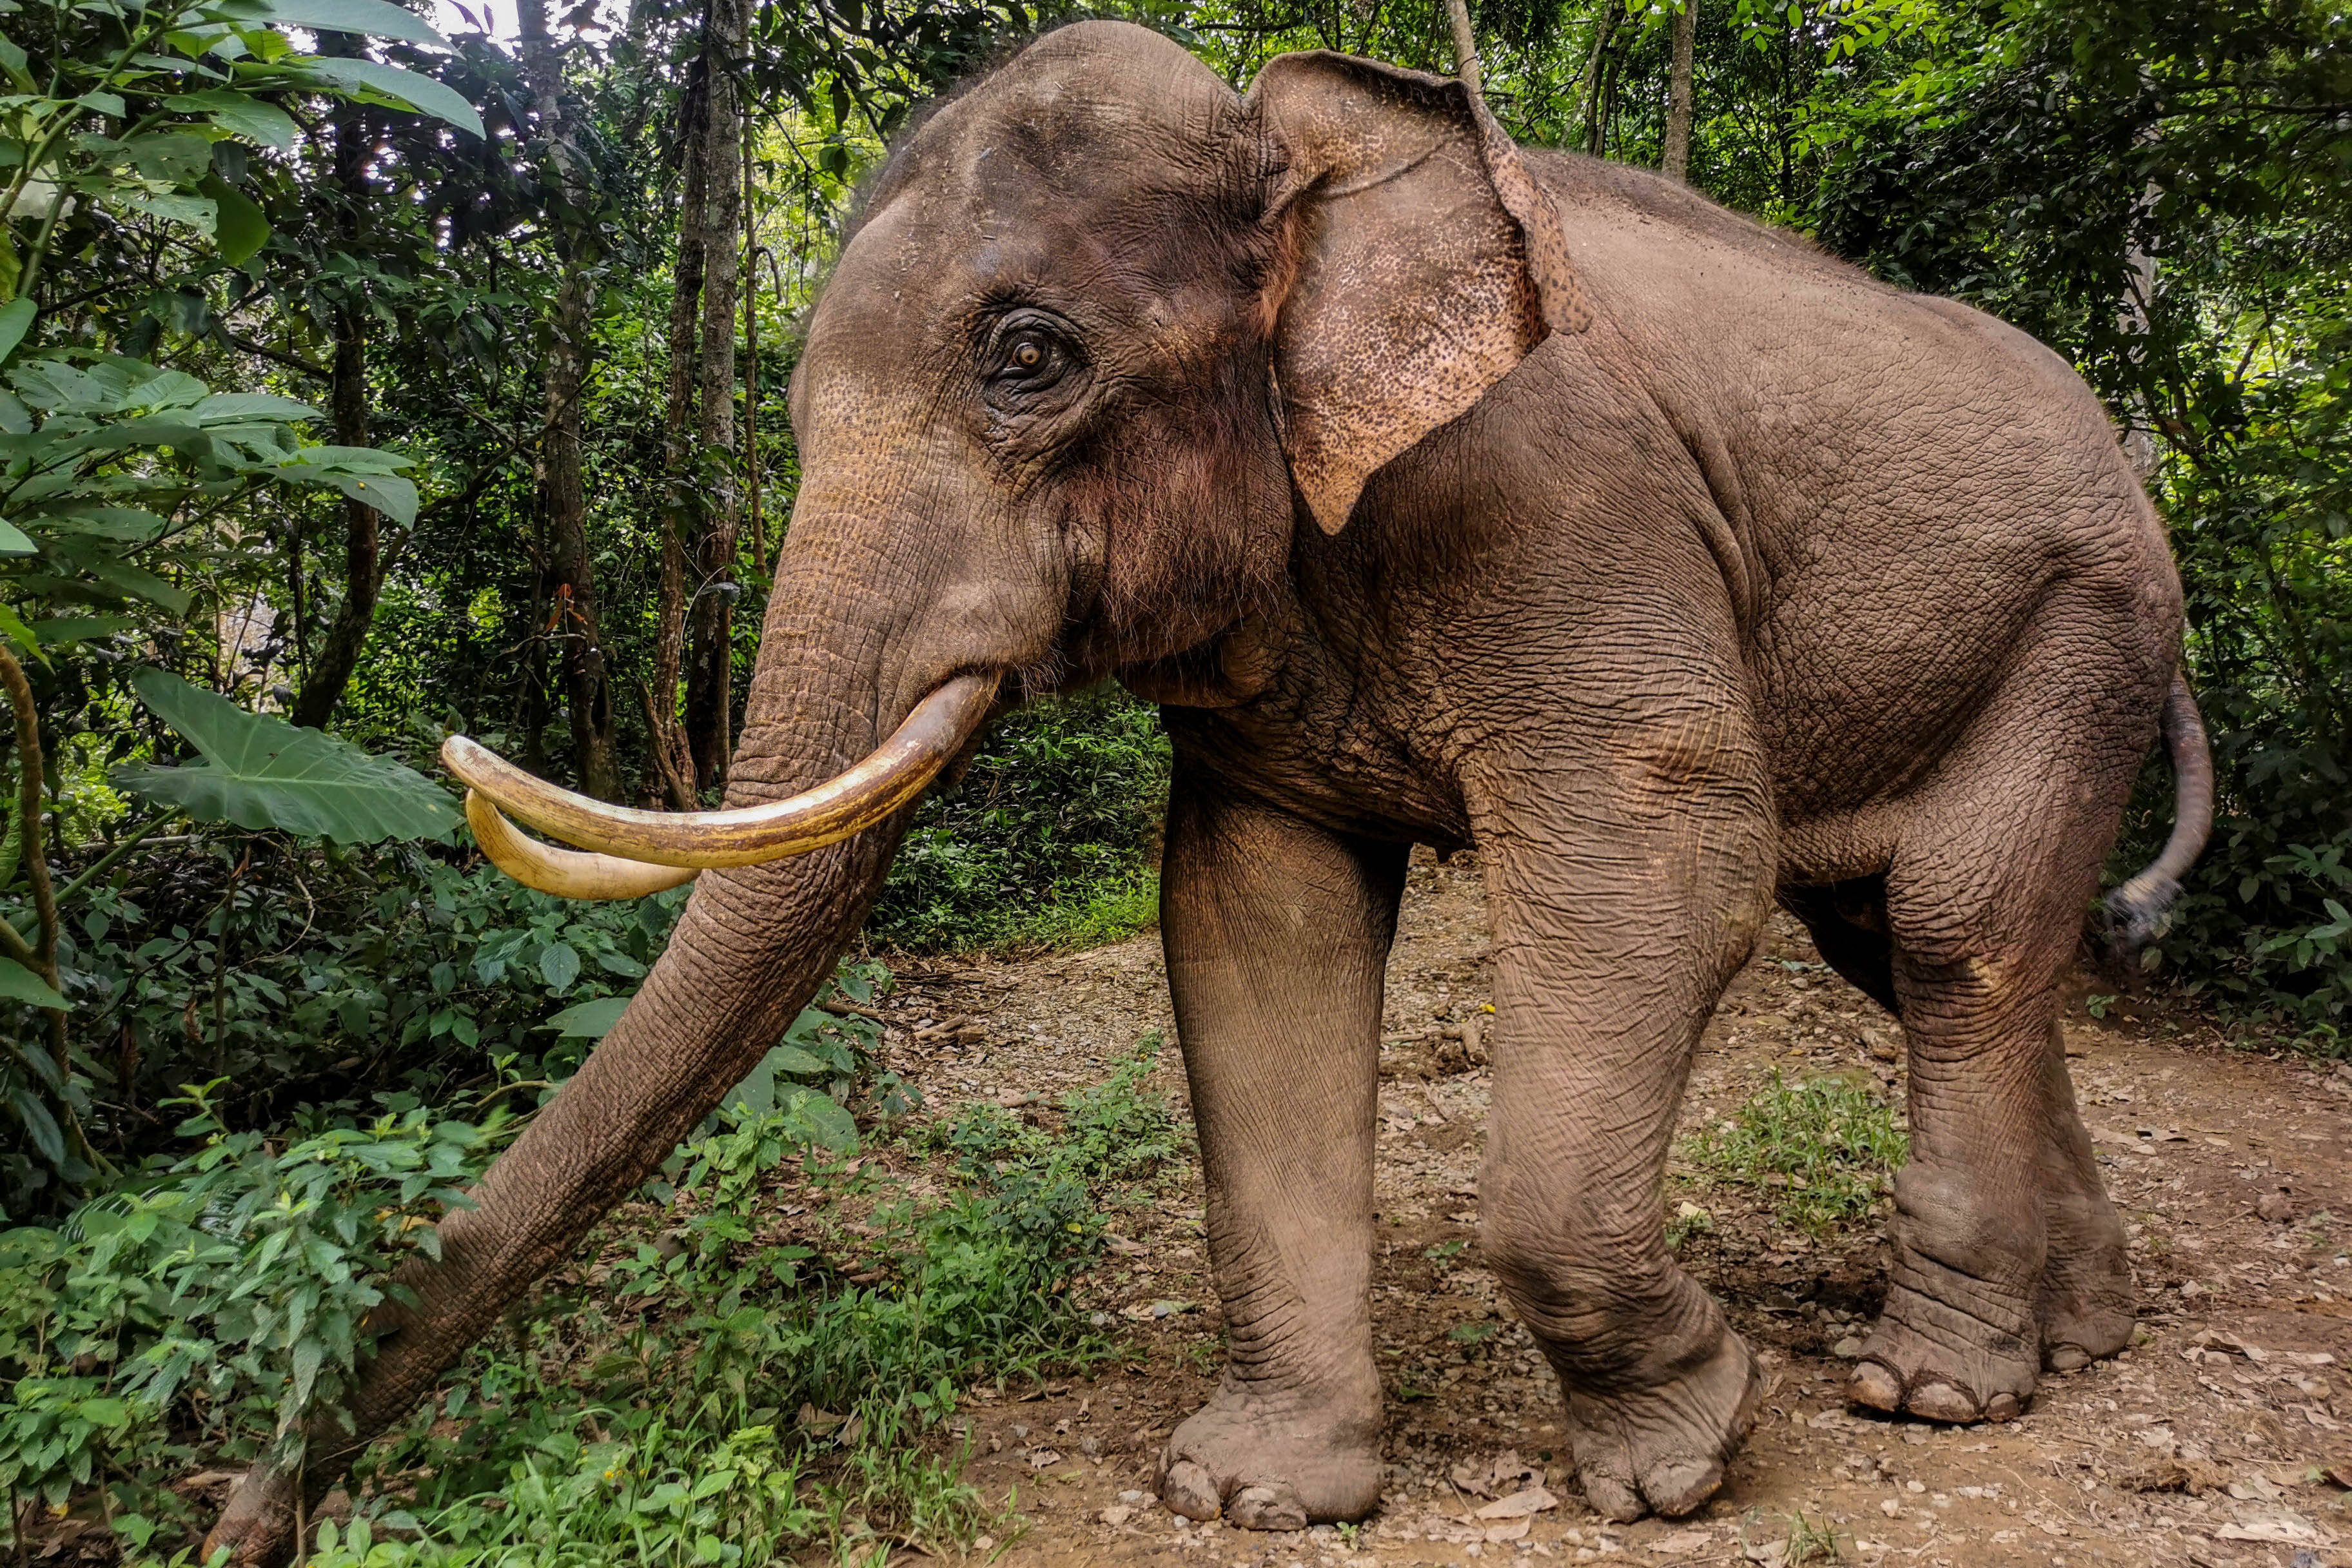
[(2223, 1437)]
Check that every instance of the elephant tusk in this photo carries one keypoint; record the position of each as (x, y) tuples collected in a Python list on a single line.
[(566, 873), (847, 804)]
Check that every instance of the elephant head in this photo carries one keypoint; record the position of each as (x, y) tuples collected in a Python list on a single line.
[(1097, 331)]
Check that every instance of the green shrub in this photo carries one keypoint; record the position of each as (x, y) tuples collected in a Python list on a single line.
[(1048, 840), (2261, 930), (305, 973), (213, 1301), (2261, 509)]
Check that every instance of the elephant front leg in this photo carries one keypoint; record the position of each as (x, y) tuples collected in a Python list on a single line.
[(1278, 935), (1611, 950)]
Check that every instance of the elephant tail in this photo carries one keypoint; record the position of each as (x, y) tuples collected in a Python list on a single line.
[(2137, 909)]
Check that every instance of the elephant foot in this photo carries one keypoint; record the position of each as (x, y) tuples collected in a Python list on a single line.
[(2087, 1305), (256, 1524), (1272, 1464), (1662, 1448), (1938, 1362)]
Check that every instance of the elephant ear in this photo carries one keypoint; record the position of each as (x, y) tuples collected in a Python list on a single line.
[(1426, 263)]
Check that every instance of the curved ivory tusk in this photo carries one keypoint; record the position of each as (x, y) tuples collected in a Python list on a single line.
[(847, 804), (566, 873)]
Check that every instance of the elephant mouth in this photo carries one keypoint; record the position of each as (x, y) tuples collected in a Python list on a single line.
[(629, 853)]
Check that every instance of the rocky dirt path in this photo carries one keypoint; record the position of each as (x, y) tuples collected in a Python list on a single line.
[(2223, 1437)]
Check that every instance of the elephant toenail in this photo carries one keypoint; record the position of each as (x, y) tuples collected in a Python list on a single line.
[(1877, 1386), (1940, 1401), (2002, 1407), (1187, 1490), (2065, 1358), (1679, 1485), (1267, 1508)]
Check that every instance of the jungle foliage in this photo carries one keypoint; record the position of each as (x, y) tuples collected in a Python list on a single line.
[(367, 375)]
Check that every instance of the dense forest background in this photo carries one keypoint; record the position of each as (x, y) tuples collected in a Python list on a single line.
[(388, 375)]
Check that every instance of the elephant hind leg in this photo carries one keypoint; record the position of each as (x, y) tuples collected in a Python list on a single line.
[(2084, 1304), (2004, 1245)]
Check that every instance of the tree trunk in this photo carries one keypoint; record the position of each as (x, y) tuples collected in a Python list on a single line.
[(1589, 93), (1465, 45), (710, 684), (751, 364), (572, 588), (1676, 161), (669, 762), (330, 668)]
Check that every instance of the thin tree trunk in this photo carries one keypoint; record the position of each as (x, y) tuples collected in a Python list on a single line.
[(669, 761), (1589, 92), (1605, 125), (709, 689), (1676, 161), (1465, 45), (330, 668), (751, 364), (576, 626)]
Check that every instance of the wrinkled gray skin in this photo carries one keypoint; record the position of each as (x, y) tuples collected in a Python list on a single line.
[(1768, 582)]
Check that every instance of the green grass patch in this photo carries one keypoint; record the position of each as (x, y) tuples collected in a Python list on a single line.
[(1107, 912), (1825, 1150)]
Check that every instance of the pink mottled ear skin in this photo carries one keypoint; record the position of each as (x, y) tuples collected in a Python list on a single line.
[(1428, 264)]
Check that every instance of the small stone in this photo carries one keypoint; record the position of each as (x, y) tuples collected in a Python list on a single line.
[(2276, 1208), (1116, 1515), (1890, 1508), (1519, 1504), (1847, 1348)]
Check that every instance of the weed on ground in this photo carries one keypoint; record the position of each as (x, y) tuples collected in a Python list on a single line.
[(1826, 1148)]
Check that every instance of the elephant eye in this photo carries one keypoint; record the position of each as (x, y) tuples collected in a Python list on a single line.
[(1029, 357)]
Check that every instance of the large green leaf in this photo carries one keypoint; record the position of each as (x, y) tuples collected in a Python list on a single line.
[(241, 229), (374, 79), (16, 318), (18, 983), (376, 18), (246, 116), (261, 771)]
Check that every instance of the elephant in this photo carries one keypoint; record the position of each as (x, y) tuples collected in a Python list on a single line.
[(1443, 492)]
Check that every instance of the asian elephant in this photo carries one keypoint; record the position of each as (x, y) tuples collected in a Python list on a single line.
[(1442, 492)]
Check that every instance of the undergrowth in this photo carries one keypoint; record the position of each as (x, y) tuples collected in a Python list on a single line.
[(736, 1393), (1050, 839), (1824, 1149), (734, 1387)]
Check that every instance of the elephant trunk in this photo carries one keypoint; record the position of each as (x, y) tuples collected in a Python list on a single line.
[(750, 950)]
